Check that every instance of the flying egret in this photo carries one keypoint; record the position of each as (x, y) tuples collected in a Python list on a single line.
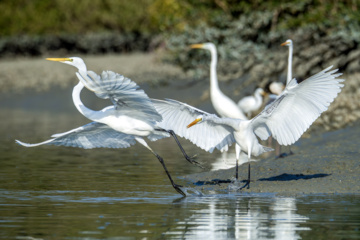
[(223, 105), (131, 117), (286, 119), (289, 44), (252, 103)]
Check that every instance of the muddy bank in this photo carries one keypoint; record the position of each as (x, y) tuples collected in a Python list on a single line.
[(326, 163)]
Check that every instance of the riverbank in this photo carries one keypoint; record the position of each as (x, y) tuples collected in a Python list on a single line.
[(323, 164)]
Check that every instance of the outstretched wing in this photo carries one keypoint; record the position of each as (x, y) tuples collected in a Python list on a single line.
[(292, 113), (207, 135), (125, 94), (92, 135)]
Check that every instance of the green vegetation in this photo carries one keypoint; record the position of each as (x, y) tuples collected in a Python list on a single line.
[(47, 17), (33, 27)]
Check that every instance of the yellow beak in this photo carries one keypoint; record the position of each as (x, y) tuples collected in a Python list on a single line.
[(59, 59), (200, 45), (194, 122), (284, 43)]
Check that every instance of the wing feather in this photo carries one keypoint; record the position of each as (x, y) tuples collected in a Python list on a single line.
[(92, 135), (208, 135), (125, 94), (292, 113)]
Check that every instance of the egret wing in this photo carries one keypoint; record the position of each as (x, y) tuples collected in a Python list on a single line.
[(125, 94), (207, 135), (292, 113), (92, 135)]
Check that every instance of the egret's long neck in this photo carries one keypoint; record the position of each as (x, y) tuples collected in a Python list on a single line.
[(258, 98), (214, 86), (78, 103), (289, 74)]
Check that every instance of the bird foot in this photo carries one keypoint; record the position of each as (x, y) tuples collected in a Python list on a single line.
[(283, 155), (234, 186), (247, 184), (192, 161), (178, 189)]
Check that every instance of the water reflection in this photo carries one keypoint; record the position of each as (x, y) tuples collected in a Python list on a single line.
[(237, 217)]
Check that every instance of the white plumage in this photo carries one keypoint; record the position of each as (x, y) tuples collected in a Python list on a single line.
[(131, 117), (252, 103), (92, 135), (286, 119), (222, 104)]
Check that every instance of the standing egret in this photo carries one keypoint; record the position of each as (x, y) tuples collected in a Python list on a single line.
[(286, 119), (131, 117), (252, 103), (289, 44), (223, 105)]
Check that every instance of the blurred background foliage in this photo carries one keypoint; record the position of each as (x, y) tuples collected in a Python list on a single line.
[(242, 30), (46, 17)]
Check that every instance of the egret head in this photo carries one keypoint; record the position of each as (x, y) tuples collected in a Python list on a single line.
[(196, 121), (288, 43), (73, 61), (276, 87), (260, 91)]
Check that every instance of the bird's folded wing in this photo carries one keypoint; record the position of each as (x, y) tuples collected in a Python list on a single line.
[(292, 113), (125, 94), (92, 135), (206, 135)]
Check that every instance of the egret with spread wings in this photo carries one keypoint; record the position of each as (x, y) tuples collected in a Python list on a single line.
[(286, 119), (131, 117)]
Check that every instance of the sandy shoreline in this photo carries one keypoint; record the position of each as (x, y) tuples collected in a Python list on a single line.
[(326, 163)]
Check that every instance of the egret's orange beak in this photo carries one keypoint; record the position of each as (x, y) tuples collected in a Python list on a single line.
[(60, 59), (199, 45), (194, 122), (284, 43)]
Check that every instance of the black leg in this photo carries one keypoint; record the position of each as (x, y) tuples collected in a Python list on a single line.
[(189, 159), (237, 169), (177, 187), (284, 154), (247, 184)]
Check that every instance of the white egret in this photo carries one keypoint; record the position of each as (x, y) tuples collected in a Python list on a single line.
[(223, 105), (289, 44), (286, 119), (131, 117), (252, 103)]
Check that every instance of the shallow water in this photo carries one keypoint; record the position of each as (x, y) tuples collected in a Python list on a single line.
[(51, 192)]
